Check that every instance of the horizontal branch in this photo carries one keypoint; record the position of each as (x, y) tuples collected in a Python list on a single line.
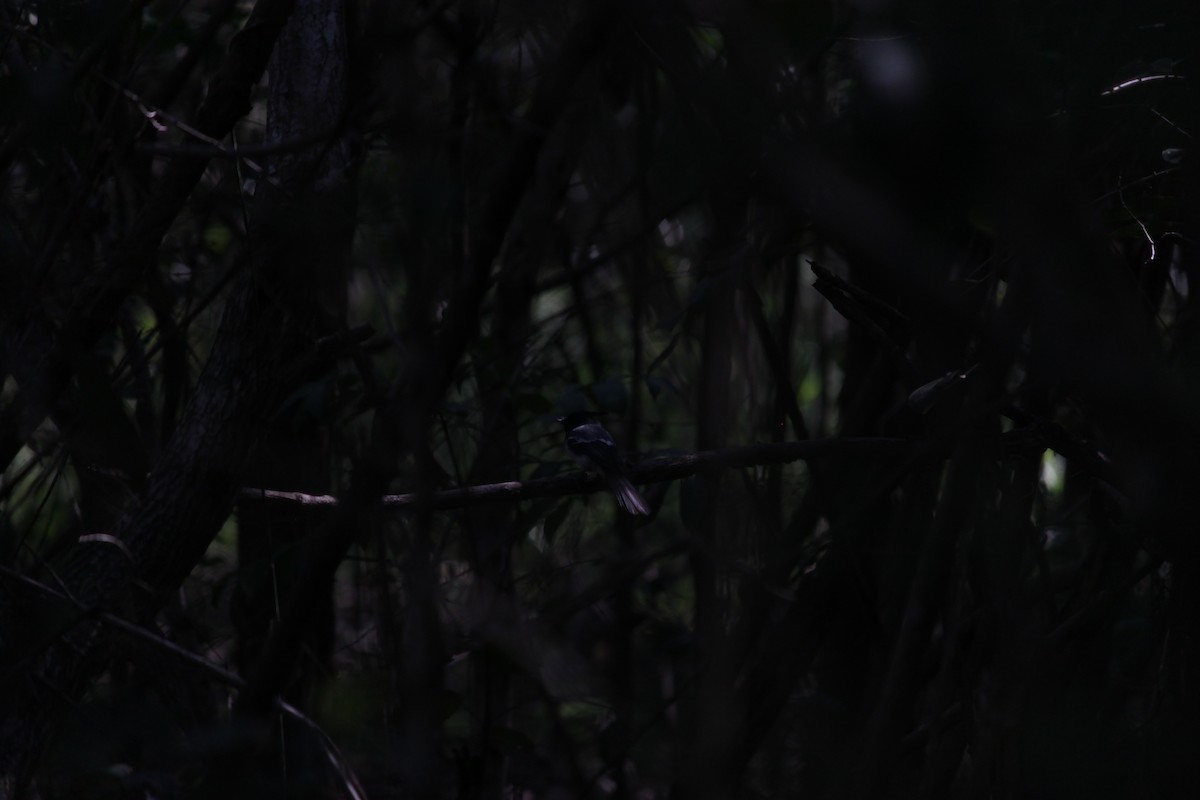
[(653, 470)]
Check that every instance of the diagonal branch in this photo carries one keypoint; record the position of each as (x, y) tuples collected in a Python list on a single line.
[(97, 302)]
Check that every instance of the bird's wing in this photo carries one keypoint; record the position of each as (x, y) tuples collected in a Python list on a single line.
[(596, 446)]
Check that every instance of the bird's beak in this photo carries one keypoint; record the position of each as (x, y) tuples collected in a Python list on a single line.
[(559, 420)]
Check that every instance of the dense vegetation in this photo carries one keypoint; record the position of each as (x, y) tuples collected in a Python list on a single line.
[(887, 303)]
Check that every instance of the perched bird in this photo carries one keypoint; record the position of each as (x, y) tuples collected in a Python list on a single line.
[(593, 448)]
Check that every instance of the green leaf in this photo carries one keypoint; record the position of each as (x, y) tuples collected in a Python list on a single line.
[(217, 238)]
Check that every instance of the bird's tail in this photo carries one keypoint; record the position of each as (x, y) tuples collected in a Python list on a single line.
[(627, 496)]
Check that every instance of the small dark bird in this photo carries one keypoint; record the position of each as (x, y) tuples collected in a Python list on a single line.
[(593, 448)]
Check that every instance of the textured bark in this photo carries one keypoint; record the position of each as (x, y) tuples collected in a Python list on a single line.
[(96, 300), (260, 353), (188, 498), (309, 92)]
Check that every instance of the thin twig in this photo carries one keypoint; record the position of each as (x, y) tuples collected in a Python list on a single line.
[(220, 674)]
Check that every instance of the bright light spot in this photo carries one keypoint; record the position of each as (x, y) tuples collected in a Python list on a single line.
[(1054, 471)]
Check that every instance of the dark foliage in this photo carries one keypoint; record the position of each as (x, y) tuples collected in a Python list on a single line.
[(887, 303)]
